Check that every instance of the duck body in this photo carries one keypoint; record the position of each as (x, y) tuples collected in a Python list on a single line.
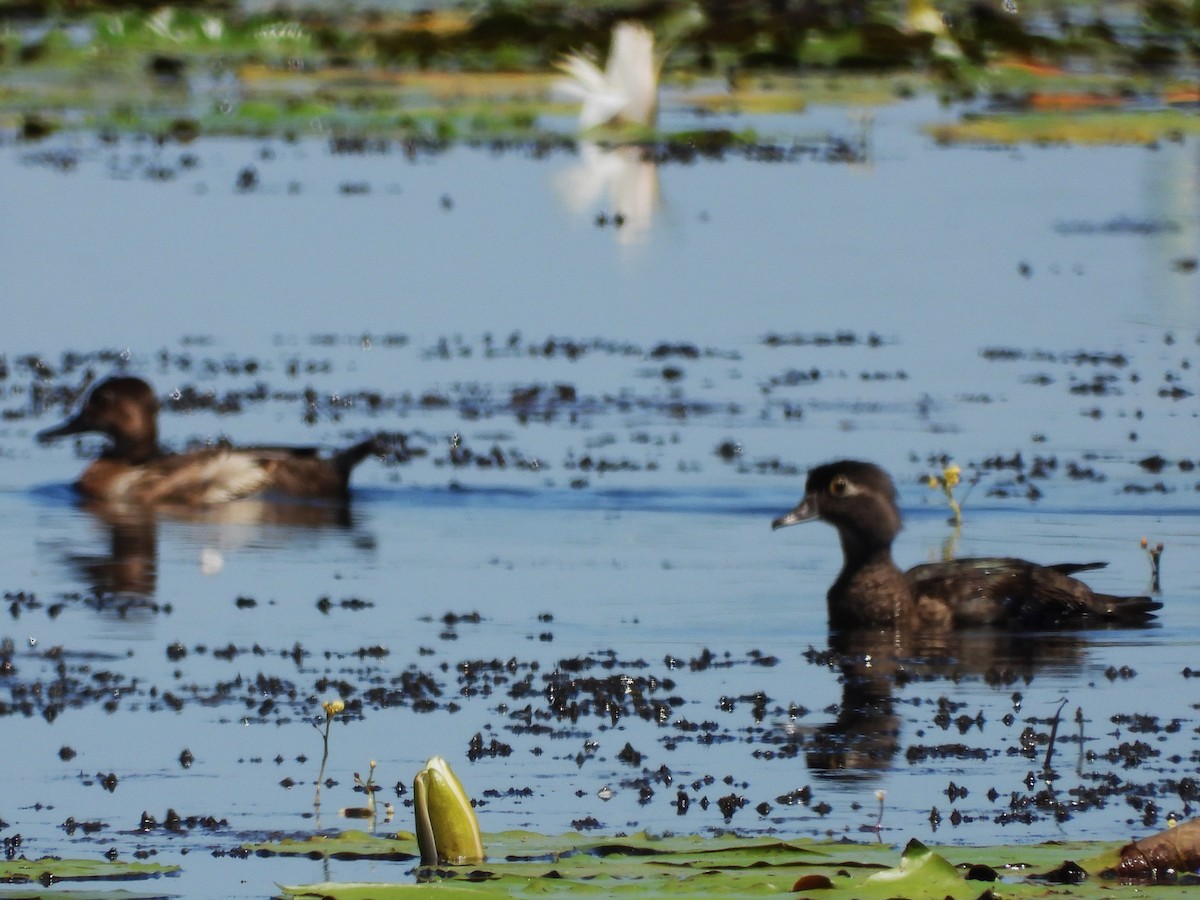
[(135, 469), (859, 499)]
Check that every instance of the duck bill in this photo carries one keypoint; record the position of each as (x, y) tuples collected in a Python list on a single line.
[(447, 828), (75, 425), (805, 512)]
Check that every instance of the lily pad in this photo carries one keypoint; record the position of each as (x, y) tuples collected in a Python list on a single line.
[(1111, 128), (50, 870), (522, 864), (31, 893), (401, 846)]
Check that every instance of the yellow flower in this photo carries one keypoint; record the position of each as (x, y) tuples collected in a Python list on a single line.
[(951, 474), (932, 481), (332, 708)]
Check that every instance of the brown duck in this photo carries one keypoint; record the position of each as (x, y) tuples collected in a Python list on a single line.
[(859, 500), (135, 469)]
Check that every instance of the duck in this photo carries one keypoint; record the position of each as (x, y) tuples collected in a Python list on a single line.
[(859, 499), (135, 469)]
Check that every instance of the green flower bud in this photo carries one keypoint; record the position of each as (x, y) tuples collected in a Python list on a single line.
[(447, 828)]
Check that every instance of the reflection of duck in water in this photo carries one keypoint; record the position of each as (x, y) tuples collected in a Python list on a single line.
[(134, 469), (865, 736), (128, 565), (859, 499)]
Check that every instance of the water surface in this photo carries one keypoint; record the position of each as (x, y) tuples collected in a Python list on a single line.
[(603, 540)]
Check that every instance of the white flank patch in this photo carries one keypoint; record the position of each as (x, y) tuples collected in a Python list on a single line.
[(228, 476)]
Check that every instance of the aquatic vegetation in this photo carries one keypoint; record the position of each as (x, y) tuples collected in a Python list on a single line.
[(51, 869), (330, 708), (1042, 127), (488, 75), (646, 865), (447, 827), (370, 788), (946, 482), (1155, 554)]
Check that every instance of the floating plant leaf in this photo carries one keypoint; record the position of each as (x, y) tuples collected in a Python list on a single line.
[(1114, 127), (401, 846), (921, 873), (523, 864), (373, 891), (31, 893), (49, 870)]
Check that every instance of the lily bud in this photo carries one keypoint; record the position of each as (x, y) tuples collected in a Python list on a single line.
[(447, 828)]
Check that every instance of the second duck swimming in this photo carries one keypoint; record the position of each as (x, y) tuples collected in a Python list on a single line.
[(859, 500)]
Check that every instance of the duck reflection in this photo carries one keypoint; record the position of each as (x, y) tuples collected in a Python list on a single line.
[(865, 737), (619, 183), (129, 566)]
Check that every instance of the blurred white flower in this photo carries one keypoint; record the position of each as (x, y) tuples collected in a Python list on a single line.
[(626, 92)]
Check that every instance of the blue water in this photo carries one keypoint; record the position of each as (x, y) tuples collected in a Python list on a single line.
[(913, 257)]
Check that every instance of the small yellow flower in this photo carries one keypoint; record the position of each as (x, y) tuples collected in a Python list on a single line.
[(332, 708), (946, 482)]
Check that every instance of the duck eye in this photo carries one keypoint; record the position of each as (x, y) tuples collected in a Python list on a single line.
[(839, 486)]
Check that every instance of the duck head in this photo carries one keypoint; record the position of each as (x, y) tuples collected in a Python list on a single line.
[(857, 498), (125, 410)]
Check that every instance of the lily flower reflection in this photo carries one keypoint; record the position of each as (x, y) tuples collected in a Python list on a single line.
[(618, 183)]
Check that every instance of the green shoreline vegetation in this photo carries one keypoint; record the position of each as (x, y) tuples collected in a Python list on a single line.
[(487, 72)]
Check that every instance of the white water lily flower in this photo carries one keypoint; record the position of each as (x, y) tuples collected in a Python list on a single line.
[(626, 92)]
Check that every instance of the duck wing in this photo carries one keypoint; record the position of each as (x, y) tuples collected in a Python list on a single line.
[(306, 472), (221, 474), (1001, 590), (202, 477)]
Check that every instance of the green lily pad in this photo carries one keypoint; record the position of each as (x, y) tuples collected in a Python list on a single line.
[(921, 875), (401, 846), (32, 893), (523, 864), (1103, 128), (50, 869)]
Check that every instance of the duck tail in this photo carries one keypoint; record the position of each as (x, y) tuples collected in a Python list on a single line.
[(1124, 609), (1072, 568)]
